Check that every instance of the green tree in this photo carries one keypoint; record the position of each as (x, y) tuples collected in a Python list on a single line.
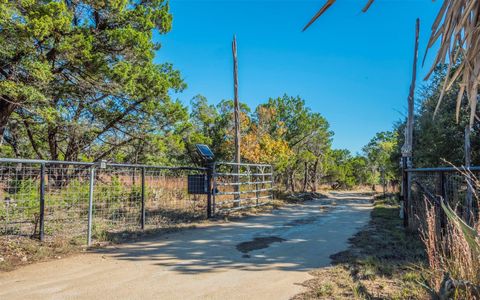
[(78, 81), (438, 137), (341, 171), (378, 153), (306, 133)]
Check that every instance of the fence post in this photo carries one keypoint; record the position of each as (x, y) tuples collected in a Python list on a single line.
[(405, 192), (257, 193), (214, 188), (442, 193), (90, 205), (42, 202), (468, 161), (143, 199), (272, 182), (210, 167), (411, 211)]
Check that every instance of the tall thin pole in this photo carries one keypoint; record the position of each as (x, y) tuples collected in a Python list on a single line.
[(408, 145), (236, 113), (42, 203), (90, 206), (409, 134), (235, 101), (142, 216)]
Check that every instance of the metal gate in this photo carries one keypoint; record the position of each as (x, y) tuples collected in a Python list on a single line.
[(238, 186)]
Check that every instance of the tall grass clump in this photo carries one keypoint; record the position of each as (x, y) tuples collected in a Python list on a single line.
[(453, 247)]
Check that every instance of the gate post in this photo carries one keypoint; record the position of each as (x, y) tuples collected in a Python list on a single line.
[(442, 193), (142, 217), (257, 186), (90, 205), (42, 203), (405, 191), (272, 181), (210, 167)]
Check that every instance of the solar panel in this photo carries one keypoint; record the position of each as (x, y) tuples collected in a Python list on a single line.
[(204, 151)]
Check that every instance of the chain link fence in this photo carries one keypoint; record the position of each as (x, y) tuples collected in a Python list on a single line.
[(80, 200)]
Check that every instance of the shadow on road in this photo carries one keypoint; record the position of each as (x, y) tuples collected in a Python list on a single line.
[(299, 238)]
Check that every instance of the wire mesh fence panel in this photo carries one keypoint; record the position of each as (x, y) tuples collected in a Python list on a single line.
[(52, 198), (427, 187), (19, 194), (419, 184), (116, 199), (66, 200), (60, 199), (455, 190), (239, 186), (167, 199)]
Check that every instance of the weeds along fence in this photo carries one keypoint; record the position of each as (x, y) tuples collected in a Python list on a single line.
[(454, 186), (52, 198)]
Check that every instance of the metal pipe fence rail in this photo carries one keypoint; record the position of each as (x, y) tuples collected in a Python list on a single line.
[(238, 186), (87, 200), (457, 187)]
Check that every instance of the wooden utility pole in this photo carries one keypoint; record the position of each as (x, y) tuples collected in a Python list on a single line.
[(236, 106), (408, 145), (236, 114)]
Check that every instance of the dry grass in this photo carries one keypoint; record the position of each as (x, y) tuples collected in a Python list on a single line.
[(20, 251), (454, 258), (383, 262)]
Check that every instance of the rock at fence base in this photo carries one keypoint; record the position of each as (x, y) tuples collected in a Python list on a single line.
[(24, 259), (2, 259)]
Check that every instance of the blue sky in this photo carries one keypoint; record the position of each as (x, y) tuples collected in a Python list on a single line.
[(353, 68)]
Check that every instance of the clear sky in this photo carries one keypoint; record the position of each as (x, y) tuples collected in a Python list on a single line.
[(353, 68)]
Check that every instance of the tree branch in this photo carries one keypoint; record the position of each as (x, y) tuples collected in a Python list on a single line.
[(30, 136)]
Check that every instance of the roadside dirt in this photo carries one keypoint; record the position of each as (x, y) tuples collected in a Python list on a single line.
[(262, 257)]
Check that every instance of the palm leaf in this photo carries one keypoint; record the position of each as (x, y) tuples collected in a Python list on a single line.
[(471, 235), (457, 29), (319, 13)]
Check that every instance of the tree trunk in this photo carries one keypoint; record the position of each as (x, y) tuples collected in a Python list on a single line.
[(314, 176), (305, 177), (6, 110), (292, 181)]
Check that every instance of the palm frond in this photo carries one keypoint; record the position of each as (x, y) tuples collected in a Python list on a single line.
[(319, 13), (457, 28), (471, 235)]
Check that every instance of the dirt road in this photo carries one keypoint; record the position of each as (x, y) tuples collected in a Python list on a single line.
[(262, 257)]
